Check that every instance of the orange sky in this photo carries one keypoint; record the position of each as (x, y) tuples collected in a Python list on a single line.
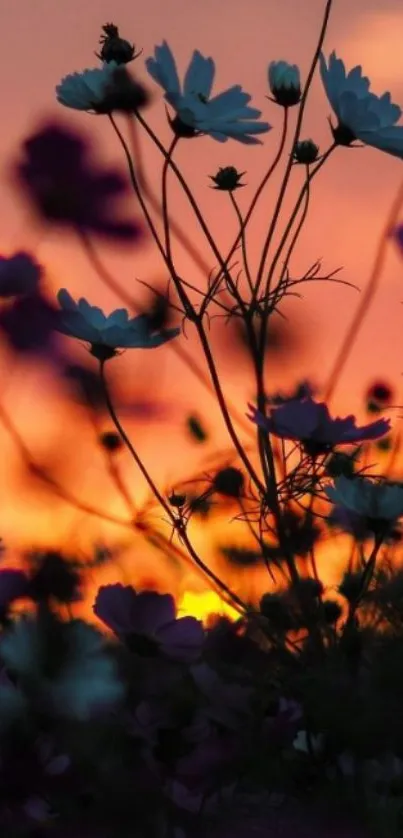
[(45, 40)]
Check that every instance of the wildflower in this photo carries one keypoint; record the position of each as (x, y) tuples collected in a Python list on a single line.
[(19, 274), (382, 501), (65, 189), (222, 117), (62, 667), (285, 83), (309, 422), (106, 333), (147, 620), (305, 152), (114, 48), (227, 179), (361, 115), (102, 90), (29, 323)]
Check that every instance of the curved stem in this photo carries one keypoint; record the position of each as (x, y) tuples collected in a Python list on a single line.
[(137, 189), (119, 427), (260, 189), (196, 210), (165, 213), (177, 229), (287, 173), (298, 230), (243, 240), (284, 238)]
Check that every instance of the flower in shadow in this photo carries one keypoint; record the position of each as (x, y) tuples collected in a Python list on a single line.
[(64, 188), (147, 622)]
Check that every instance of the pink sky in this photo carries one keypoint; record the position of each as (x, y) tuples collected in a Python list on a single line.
[(45, 40)]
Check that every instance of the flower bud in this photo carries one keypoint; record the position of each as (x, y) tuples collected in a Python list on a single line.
[(115, 48), (306, 152), (284, 82), (277, 612), (177, 500), (227, 179), (229, 481), (351, 586), (111, 441), (331, 611)]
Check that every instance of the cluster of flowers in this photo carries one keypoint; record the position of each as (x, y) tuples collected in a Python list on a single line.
[(153, 729), (166, 726)]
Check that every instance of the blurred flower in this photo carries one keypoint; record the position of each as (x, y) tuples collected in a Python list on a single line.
[(64, 188), (114, 48), (19, 274), (102, 90), (53, 577), (196, 429), (225, 116), (106, 333), (13, 585), (148, 621), (63, 667), (86, 91), (285, 83), (349, 521), (305, 152), (365, 497), (307, 744), (111, 441), (229, 481), (310, 422), (229, 703), (29, 323), (227, 179), (380, 391), (361, 115)]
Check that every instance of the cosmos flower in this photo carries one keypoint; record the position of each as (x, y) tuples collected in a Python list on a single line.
[(285, 83), (383, 500), (66, 189), (19, 274), (308, 421), (63, 665), (361, 114), (150, 619), (108, 332), (102, 90), (87, 90), (222, 117)]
